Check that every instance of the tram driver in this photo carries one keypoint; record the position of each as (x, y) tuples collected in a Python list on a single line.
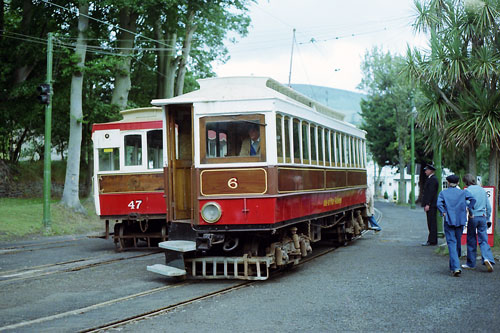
[(251, 144)]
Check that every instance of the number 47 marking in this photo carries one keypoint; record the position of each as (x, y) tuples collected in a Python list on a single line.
[(135, 204)]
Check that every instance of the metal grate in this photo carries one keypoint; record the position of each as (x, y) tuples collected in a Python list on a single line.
[(242, 268)]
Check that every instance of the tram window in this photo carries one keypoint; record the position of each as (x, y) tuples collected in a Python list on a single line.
[(155, 149), (231, 139), (216, 143), (320, 146), (183, 146), (363, 154), (133, 150), (314, 156), (333, 150), (296, 141), (358, 160), (340, 150), (279, 139), (305, 142), (287, 140), (109, 159), (327, 147), (347, 151)]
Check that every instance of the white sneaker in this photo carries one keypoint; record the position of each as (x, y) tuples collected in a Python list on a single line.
[(465, 266), (488, 265)]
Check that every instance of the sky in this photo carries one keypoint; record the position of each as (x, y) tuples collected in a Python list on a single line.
[(331, 39)]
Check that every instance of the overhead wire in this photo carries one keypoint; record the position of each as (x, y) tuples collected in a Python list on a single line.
[(105, 23)]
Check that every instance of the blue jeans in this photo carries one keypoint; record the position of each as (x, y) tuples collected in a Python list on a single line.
[(478, 223), (453, 236), (373, 222)]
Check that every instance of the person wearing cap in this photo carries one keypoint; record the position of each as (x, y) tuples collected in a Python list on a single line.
[(478, 225), (429, 203), (452, 203)]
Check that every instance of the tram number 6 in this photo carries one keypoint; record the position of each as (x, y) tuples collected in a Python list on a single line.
[(232, 183), (135, 204)]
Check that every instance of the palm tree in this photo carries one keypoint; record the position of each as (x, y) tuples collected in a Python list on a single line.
[(459, 74)]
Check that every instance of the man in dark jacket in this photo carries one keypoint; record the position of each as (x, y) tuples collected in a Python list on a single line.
[(429, 203)]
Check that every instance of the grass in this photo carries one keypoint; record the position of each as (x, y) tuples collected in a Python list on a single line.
[(22, 219)]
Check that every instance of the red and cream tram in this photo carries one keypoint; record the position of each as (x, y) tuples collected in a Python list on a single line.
[(128, 177), (255, 173)]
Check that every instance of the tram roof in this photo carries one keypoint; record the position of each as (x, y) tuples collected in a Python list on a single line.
[(246, 88)]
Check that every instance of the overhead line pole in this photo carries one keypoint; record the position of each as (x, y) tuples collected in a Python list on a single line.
[(48, 139), (291, 60)]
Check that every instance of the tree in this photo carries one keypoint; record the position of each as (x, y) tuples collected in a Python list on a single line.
[(460, 74), (70, 196), (386, 111), (192, 26)]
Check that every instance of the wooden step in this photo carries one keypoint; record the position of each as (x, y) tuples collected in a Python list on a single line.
[(166, 270), (178, 245)]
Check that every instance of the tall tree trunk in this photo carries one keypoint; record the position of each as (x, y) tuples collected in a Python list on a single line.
[(160, 37), (379, 193), (128, 21), (171, 62), (70, 196), (167, 62), (472, 167), (186, 49)]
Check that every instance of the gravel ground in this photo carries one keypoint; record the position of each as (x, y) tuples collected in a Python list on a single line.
[(382, 282)]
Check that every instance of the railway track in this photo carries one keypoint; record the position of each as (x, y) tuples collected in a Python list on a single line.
[(172, 307), (42, 245), (47, 321), (67, 266)]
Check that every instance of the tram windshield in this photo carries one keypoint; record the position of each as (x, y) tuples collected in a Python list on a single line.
[(233, 139), (109, 159)]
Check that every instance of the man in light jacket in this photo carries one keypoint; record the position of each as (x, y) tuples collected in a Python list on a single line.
[(478, 225)]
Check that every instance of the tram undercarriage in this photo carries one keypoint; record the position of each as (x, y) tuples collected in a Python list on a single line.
[(137, 233), (239, 255)]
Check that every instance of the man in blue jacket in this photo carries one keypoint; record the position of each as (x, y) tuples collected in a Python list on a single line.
[(452, 203), (478, 221)]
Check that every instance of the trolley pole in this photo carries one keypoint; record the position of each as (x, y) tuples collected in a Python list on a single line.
[(291, 61), (48, 134), (412, 166)]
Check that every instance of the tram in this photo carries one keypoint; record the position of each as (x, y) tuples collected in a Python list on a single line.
[(254, 174), (128, 178)]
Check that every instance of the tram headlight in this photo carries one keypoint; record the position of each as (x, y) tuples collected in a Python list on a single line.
[(211, 212)]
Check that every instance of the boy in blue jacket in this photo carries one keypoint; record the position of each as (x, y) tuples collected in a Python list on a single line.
[(452, 204)]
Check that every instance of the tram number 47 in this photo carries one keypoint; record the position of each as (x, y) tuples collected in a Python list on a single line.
[(135, 204)]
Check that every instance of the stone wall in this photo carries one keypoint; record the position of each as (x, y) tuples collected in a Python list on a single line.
[(10, 188)]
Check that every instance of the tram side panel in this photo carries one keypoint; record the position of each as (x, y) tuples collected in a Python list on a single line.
[(243, 197)]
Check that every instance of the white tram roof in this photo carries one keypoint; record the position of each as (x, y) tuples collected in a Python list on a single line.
[(141, 114), (246, 88)]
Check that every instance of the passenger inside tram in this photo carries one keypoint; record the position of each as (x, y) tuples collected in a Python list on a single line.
[(251, 145)]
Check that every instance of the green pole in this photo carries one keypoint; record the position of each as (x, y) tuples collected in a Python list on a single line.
[(412, 138), (439, 176), (48, 125)]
